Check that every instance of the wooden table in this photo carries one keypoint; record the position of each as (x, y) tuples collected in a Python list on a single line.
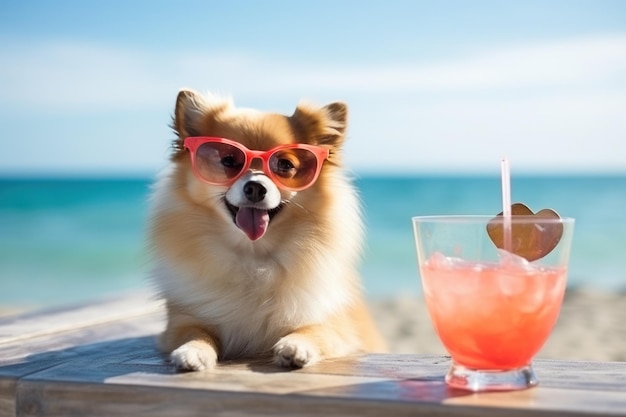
[(101, 360)]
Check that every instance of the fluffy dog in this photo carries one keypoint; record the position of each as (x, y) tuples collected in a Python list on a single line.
[(267, 264)]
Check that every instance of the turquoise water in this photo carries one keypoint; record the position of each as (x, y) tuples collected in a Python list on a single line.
[(70, 240)]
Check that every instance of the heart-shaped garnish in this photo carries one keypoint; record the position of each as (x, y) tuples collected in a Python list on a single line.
[(532, 239)]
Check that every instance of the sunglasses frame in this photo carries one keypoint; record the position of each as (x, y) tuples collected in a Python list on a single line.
[(192, 143)]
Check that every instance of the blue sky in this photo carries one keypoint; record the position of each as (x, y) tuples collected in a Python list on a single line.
[(437, 86)]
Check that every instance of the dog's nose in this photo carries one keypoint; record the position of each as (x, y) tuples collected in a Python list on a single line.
[(254, 191)]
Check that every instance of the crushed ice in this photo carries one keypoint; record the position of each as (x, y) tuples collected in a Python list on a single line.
[(439, 260), (508, 258)]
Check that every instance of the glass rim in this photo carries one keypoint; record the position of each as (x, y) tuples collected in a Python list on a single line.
[(479, 218)]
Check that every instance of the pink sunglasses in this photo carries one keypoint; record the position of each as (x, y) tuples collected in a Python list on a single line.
[(220, 161)]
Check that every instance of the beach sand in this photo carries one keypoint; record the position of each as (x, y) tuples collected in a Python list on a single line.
[(591, 326)]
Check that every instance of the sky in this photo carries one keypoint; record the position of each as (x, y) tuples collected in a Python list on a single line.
[(88, 88)]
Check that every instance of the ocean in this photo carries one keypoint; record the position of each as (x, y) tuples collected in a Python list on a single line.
[(74, 240)]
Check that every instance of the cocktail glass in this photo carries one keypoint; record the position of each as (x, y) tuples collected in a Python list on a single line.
[(491, 309)]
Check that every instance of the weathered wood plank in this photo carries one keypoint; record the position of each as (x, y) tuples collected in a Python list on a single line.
[(7, 396), (550, 399), (110, 365), (38, 350), (392, 386), (551, 373), (40, 399), (37, 353), (42, 323)]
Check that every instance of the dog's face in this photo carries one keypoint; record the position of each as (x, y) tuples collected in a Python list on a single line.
[(255, 203)]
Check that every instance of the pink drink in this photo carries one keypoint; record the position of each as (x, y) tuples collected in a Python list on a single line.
[(492, 316)]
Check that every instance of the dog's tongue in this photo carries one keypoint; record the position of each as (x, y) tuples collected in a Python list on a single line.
[(253, 222)]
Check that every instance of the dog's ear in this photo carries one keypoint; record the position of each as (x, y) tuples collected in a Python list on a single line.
[(323, 126), (190, 108), (337, 120), (187, 114), (193, 115)]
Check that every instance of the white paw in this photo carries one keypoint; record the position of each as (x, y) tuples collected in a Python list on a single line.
[(191, 357), (295, 352)]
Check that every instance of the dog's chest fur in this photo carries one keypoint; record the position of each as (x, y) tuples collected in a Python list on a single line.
[(252, 306)]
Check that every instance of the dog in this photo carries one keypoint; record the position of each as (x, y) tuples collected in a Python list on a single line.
[(256, 235)]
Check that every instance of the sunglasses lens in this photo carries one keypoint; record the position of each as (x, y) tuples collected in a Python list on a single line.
[(294, 168), (219, 162)]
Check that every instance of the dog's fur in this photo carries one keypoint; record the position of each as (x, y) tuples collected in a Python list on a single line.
[(295, 292)]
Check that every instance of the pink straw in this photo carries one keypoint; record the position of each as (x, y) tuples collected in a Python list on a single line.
[(506, 203)]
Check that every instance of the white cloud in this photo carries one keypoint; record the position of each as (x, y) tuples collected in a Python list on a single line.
[(71, 76), (560, 132), (548, 106), (74, 75)]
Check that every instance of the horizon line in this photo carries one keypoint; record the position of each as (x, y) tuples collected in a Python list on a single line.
[(354, 174)]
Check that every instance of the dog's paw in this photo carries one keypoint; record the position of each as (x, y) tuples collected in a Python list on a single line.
[(295, 352), (194, 356)]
